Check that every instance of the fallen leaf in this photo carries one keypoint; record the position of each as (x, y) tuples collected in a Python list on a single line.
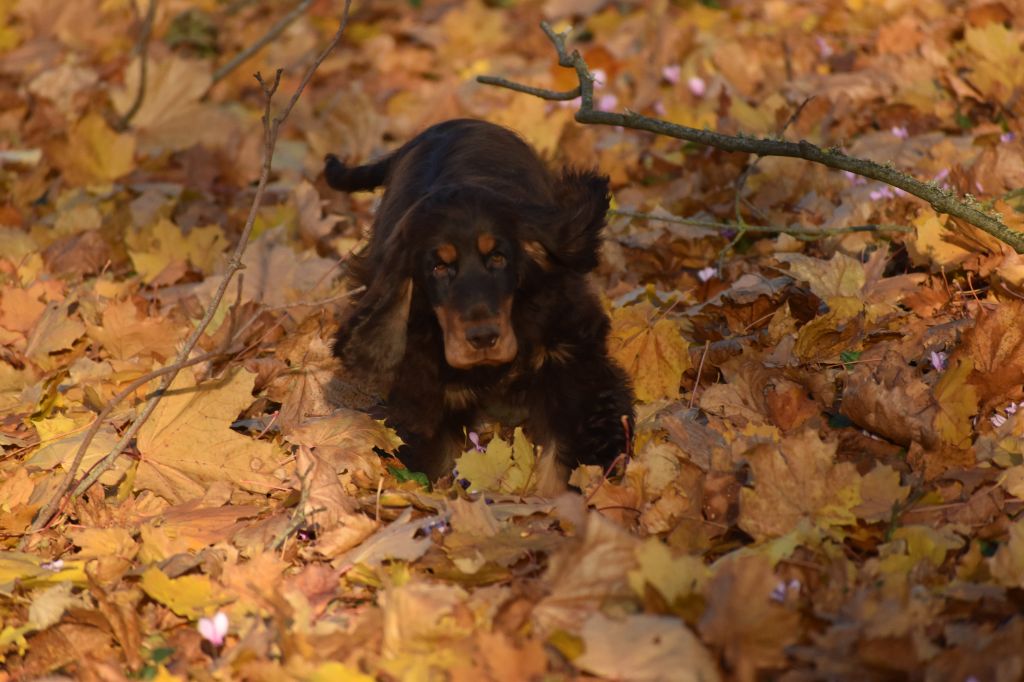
[(644, 647), (798, 479), (188, 444), (651, 350)]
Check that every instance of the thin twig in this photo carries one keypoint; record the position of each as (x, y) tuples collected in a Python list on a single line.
[(700, 370), (142, 49), (793, 231), (272, 33), (51, 507), (270, 128), (941, 200)]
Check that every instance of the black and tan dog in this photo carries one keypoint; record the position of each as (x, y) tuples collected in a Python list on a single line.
[(476, 302)]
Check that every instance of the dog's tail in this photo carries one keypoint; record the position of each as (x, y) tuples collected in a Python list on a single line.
[(356, 178)]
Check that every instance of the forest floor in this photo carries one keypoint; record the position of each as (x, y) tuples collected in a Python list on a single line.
[(829, 462)]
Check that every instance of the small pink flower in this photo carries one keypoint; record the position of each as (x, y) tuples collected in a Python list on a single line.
[(997, 420), (1007, 137), (900, 132), (697, 86), (705, 274), (824, 49), (658, 107), (671, 73), (600, 76), (607, 102), (939, 360), (213, 630), (881, 193), (474, 438)]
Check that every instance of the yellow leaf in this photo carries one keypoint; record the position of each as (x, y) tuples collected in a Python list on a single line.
[(958, 403), (651, 350), (188, 443), (673, 578), (928, 246), (95, 154), (165, 245), (1007, 565), (189, 596), (505, 467), (840, 276)]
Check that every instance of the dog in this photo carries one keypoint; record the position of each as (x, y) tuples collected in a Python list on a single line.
[(476, 303)]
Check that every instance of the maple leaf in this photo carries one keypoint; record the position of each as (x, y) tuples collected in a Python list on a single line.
[(504, 467), (741, 619), (644, 647), (96, 154), (798, 479), (957, 404), (188, 444), (189, 596), (651, 350)]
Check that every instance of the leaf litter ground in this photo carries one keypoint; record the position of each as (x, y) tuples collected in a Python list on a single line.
[(829, 463)]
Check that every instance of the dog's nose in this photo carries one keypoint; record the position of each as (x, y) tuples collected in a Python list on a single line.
[(482, 336)]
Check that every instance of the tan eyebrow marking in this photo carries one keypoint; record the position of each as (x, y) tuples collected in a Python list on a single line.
[(447, 253), (485, 243)]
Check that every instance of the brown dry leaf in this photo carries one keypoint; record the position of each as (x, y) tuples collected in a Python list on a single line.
[(650, 347), (276, 275), (172, 117), (644, 647), (347, 440), (403, 539), (880, 493), (798, 480), (307, 388), (421, 621), (825, 337), (885, 395), (742, 621), (126, 333), (20, 309), (188, 444), (95, 154), (57, 330), (995, 346), (584, 574)]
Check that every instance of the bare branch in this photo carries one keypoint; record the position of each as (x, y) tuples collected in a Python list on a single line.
[(799, 232), (943, 201), (273, 32), (142, 49)]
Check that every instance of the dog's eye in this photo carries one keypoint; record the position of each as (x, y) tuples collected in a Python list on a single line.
[(496, 261), (442, 270)]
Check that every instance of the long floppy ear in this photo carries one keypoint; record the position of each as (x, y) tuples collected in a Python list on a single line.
[(372, 339), (571, 236)]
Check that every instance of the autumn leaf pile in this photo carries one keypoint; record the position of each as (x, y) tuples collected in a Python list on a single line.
[(829, 458)]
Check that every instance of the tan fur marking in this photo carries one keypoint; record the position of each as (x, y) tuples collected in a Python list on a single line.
[(447, 253), (460, 354), (538, 254), (485, 243)]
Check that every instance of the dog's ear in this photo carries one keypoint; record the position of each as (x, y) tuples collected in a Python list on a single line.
[(372, 339), (571, 234)]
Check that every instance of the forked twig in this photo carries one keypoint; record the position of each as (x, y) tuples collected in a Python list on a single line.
[(942, 200)]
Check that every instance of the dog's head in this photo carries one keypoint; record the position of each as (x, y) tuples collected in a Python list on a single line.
[(468, 269), (467, 251)]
